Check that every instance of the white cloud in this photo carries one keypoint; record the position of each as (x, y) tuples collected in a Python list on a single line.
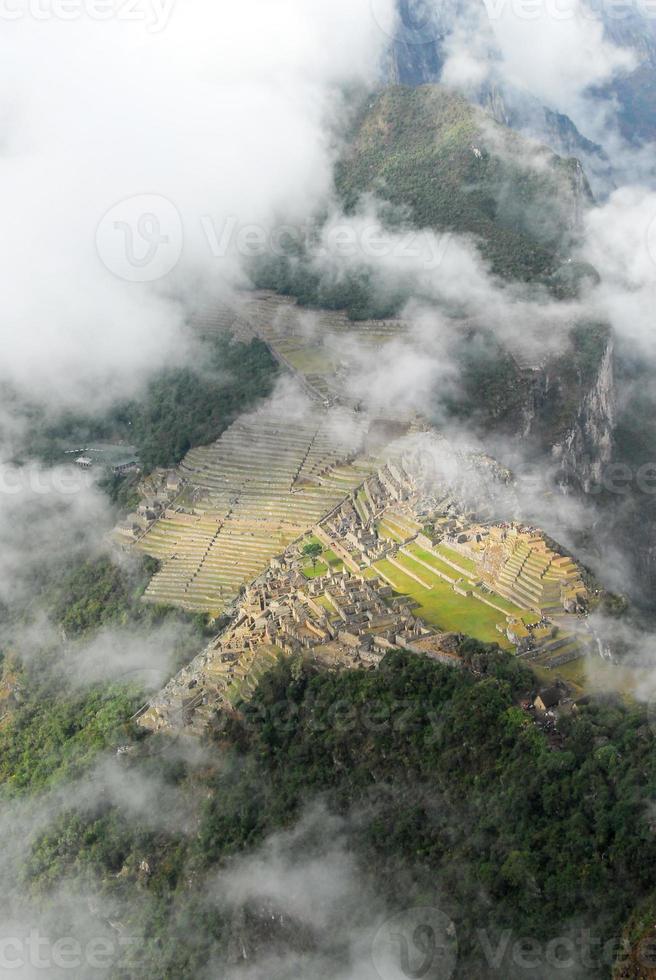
[(222, 112), (620, 241), (555, 50)]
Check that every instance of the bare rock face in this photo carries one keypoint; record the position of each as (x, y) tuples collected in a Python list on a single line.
[(570, 411), (587, 446)]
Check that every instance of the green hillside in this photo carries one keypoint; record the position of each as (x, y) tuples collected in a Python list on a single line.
[(445, 792), (452, 167)]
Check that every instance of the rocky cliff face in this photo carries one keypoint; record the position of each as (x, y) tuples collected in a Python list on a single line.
[(520, 111), (586, 447), (638, 534), (568, 411)]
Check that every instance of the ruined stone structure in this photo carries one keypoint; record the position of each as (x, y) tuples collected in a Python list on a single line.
[(349, 616), (340, 621)]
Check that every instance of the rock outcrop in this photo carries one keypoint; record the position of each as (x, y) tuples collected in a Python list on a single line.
[(587, 446)]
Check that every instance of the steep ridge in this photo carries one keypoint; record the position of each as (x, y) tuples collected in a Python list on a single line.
[(419, 51), (449, 165)]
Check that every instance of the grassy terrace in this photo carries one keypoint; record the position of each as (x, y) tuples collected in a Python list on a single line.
[(335, 563), (324, 601), (434, 562), (466, 564), (246, 513), (361, 506), (510, 607), (388, 532), (441, 607), (326, 559)]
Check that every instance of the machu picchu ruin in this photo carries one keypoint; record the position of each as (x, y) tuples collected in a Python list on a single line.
[(316, 528), (371, 563), (239, 502), (328, 523)]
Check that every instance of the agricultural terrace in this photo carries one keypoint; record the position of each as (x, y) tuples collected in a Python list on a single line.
[(262, 485), (494, 583), (309, 342)]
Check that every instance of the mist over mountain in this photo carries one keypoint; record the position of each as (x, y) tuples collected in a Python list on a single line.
[(602, 102), (327, 480)]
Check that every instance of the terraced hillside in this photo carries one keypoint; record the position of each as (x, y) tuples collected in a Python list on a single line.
[(308, 342), (249, 495)]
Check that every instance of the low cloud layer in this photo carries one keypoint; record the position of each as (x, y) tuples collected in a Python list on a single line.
[(218, 112), (47, 516)]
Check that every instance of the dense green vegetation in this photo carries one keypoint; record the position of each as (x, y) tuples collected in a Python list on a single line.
[(50, 729), (454, 798), (185, 407), (429, 151), (56, 736), (435, 162), (359, 290), (491, 391), (179, 408), (99, 592)]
